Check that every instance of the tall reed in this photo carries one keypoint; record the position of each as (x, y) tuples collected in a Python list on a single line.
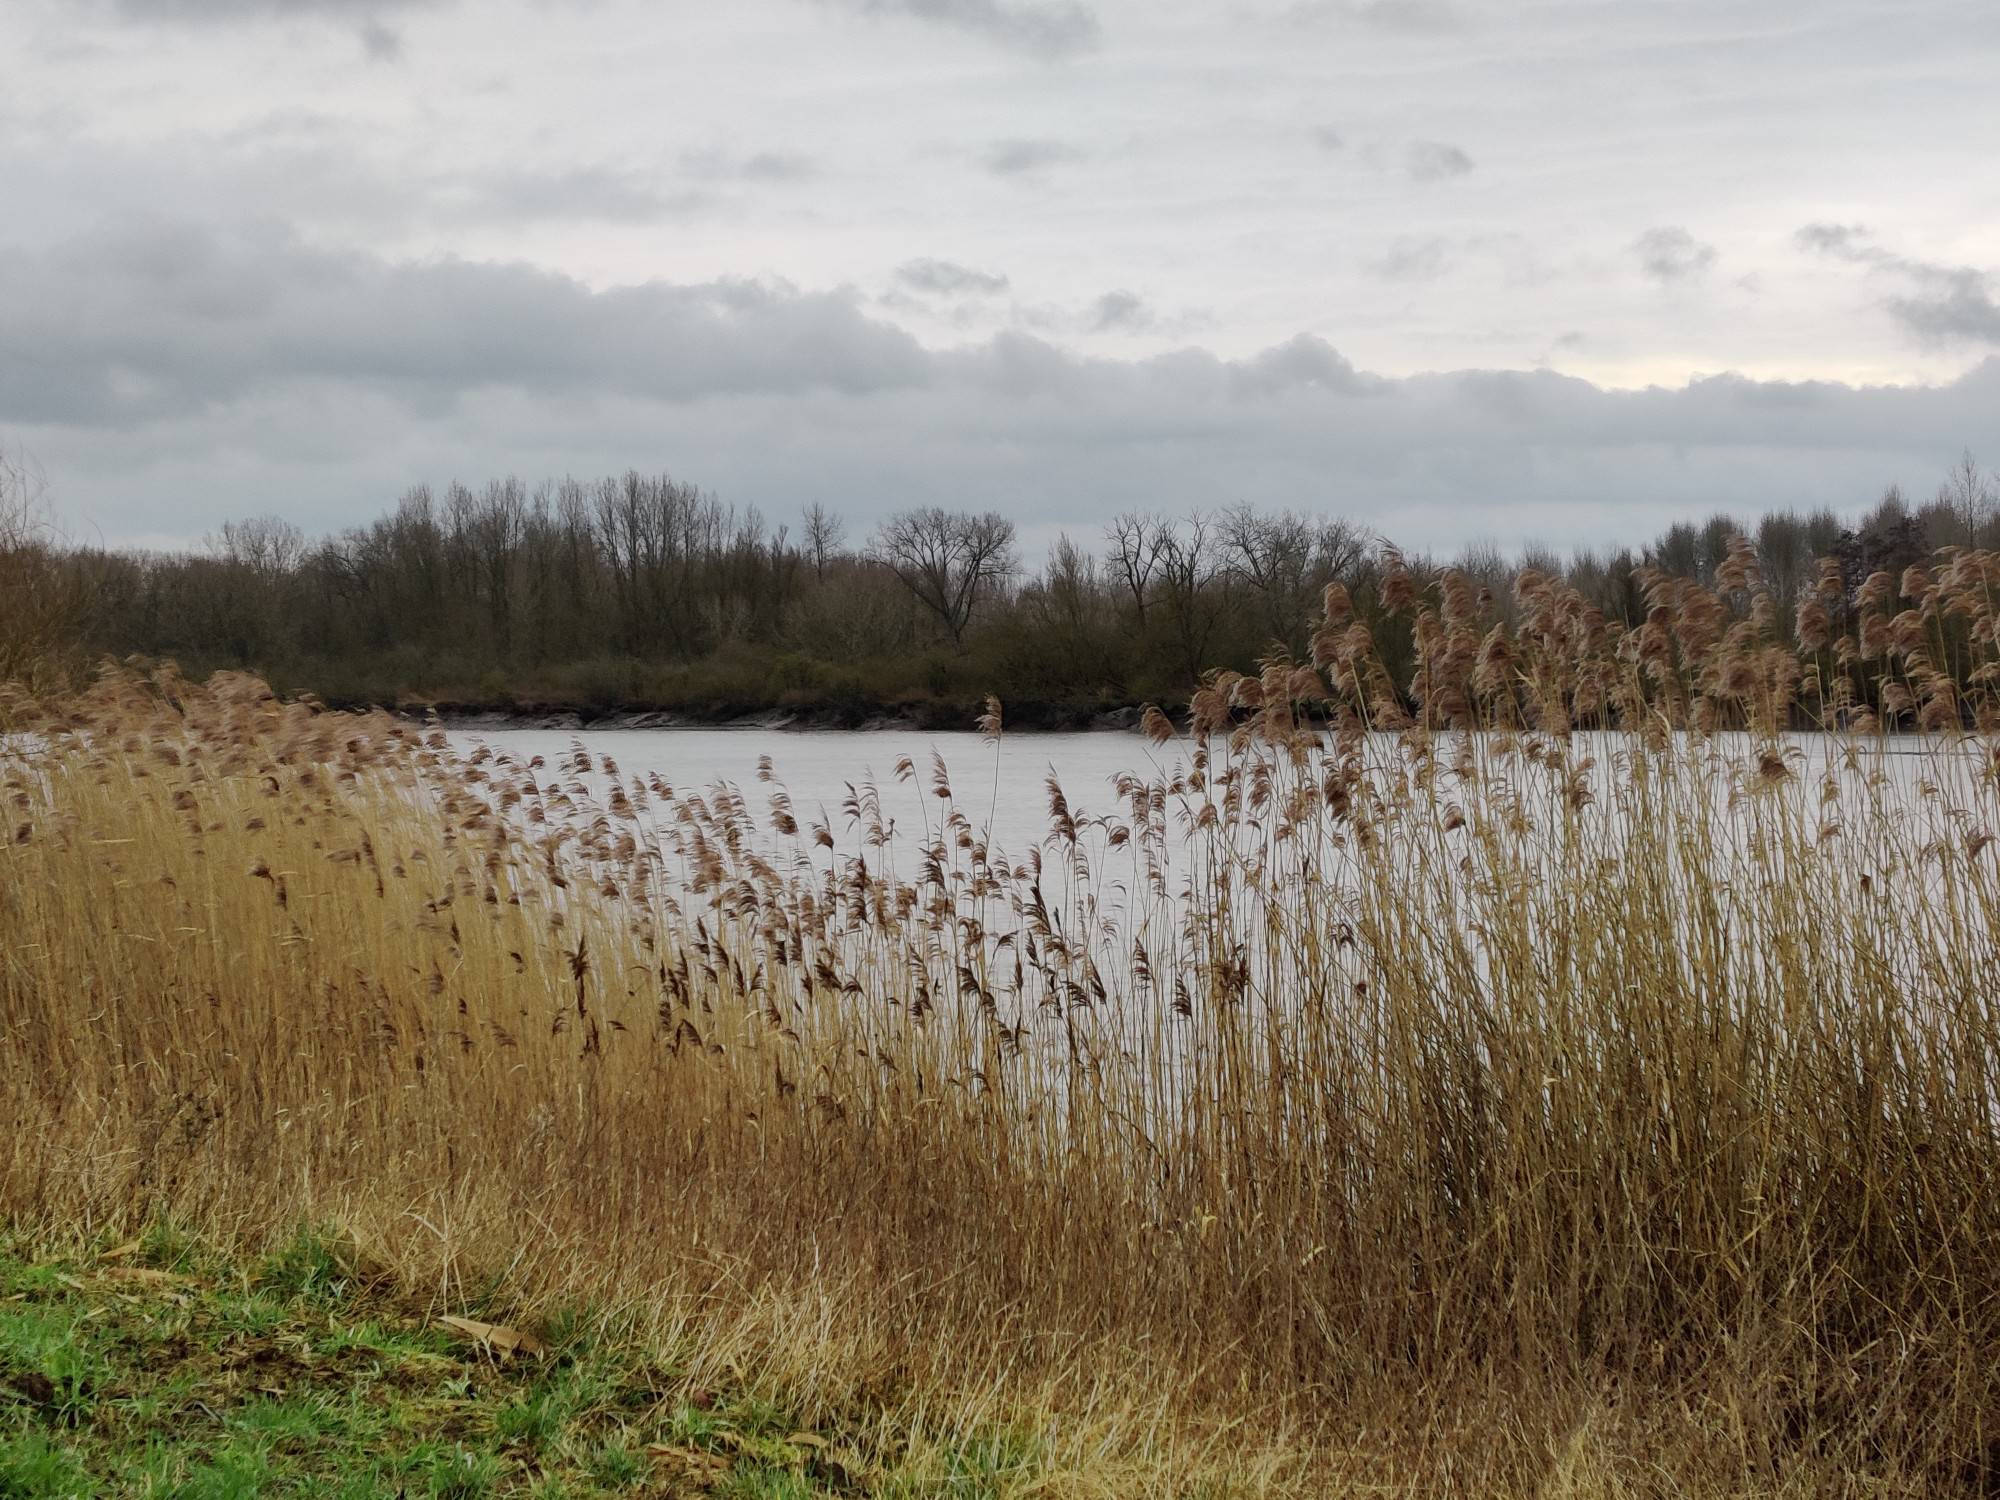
[(1547, 1073)]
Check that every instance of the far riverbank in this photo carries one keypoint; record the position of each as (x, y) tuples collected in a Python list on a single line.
[(925, 717)]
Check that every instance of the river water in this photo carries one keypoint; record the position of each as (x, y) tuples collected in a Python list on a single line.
[(1893, 829), (1000, 787)]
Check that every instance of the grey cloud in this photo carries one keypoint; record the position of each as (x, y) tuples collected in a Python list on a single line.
[(341, 183), (777, 166), (174, 371), (1306, 362), (949, 279), (1013, 366), (204, 11), (1956, 307), (160, 321), (580, 193), (1015, 158), (1670, 254), (345, 182), (380, 43), (1845, 241), (1434, 161), (1121, 312), (1412, 258), (756, 166), (601, 194), (1411, 16), (1941, 304), (1328, 139), (283, 129), (1045, 29)]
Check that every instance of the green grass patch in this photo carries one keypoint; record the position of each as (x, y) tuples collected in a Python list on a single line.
[(159, 1368)]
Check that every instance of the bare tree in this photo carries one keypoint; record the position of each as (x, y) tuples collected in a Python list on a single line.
[(247, 607), (825, 531), (947, 559), (1287, 560), (656, 535), (268, 546), (1068, 601), (1189, 570), (1137, 542), (1786, 558), (495, 527), (1968, 495)]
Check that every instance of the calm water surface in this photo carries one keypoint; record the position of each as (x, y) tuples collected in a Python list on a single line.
[(999, 786), (1003, 787), (1141, 891)]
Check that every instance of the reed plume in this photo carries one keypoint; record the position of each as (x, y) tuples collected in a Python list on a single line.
[(1541, 1070)]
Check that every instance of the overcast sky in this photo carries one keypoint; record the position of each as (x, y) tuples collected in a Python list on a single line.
[(1551, 270)]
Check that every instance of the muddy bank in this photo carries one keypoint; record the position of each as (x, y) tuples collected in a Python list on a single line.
[(1019, 718)]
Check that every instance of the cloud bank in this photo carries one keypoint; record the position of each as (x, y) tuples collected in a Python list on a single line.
[(176, 376)]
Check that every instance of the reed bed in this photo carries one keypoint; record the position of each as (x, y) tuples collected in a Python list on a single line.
[(1548, 1075)]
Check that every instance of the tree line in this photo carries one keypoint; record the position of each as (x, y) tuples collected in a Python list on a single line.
[(646, 592)]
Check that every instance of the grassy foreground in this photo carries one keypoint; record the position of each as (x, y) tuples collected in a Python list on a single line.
[(1569, 1088), (164, 1367)]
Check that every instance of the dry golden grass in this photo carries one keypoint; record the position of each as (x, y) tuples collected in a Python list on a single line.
[(1602, 1103)]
